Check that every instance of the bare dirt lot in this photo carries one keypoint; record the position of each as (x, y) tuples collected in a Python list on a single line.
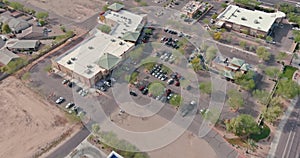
[(78, 11), (27, 122)]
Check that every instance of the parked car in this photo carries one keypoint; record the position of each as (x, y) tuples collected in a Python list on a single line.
[(145, 91), (170, 81), (188, 108), (71, 84), (65, 81), (107, 83), (70, 105), (177, 83), (133, 93), (78, 89), (102, 88), (59, 100)]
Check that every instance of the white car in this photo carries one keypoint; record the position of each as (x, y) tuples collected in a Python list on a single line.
[(69, 105), (59, 100)]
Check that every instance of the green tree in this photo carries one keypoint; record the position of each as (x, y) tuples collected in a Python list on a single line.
[(288, 88), (205, 21), (269, 39), (42, 22), (296, 34), (148, 31), (5, 29), (196, 64), (235, 99), (217, 35), (261, 95), (224, 5), (16, 5), (214, 16), (105, 8), (242, 125), (272, 113), (243, 44), (211, 115), (205, 87), (272, 72), (262, 53), (104, 28), (41, 15), (246, 81), (211, 53), (281, 56), (95, 128), (156, 88), (176, 100)]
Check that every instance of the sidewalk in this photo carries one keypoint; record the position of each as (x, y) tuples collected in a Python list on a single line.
[(86, 149), (277, 136)]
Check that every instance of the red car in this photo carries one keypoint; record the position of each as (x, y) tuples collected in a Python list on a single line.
[(177, 83)]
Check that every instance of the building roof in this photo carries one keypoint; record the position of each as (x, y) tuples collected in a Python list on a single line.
[(84, 58), (116, 7), (237, 62), (22, 44), (108, 61), (255, 19), (125, 21), (131, 36), (6, 56), (113, 154), (229, 74), (245, 67), (16, 24), (32, 32), (191, 6)]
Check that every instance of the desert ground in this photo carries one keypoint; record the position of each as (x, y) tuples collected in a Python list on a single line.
[(79, 10), (187, 145), (27, 122)]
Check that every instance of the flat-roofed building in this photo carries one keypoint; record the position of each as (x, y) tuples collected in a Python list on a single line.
[(253, 22), (192, 8), (92, 59), (125, 24), (22, 45)]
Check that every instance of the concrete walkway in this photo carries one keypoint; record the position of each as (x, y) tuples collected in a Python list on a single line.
[(86, 149), (277, 136)]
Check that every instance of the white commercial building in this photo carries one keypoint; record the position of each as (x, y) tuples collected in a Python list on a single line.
[(254, 22), (124, 24), (93, 58)]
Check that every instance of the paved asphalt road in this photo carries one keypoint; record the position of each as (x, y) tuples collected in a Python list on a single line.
[(68, 146), (289, 142)]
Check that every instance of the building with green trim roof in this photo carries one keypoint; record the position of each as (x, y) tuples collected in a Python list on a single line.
[(237, 62), (116, 7), (229, 74), (131, 36), (108, 61)]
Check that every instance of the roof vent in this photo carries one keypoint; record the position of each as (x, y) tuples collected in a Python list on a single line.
[(88, 71), (89, 66), (260, 17), (243, 18), (90, 47), (73, 59), (113, 40), (69, 62), (121, 43), (238, 11), (256, 21)]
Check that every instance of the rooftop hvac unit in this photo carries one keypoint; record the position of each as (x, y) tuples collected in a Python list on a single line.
[(89, 66)]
